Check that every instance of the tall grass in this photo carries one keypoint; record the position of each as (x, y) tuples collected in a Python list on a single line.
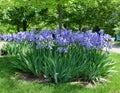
[(9, 82), (77, 63)]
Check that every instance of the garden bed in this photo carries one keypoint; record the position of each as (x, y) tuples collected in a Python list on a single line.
[(61, 56)]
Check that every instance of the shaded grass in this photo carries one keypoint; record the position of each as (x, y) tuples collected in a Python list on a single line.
[(9, 82)]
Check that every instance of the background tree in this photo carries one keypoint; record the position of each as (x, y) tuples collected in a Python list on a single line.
[(70, 14)]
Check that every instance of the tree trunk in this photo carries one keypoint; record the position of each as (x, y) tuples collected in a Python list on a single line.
[(18, 28), (24, 25), (60, 15)]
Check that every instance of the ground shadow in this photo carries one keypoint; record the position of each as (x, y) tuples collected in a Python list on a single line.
[(6, 69)]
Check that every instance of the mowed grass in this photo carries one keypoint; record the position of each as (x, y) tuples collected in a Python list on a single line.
[(10, 83)]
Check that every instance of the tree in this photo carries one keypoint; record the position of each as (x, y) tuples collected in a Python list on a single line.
[(72, 14), (20, 17)]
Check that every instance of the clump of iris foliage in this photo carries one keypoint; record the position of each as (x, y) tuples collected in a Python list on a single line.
[(61, 55)]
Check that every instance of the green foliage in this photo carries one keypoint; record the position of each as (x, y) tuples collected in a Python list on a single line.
[(97, 65), (13, 48), (75, 14), (61, 67), (28, 58), (117, 28), (5, 29), (20, 17), (30, 62), (101, 13), (9, 78), (77, 63)]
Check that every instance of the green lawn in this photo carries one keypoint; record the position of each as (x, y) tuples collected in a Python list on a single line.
[(9, 82)]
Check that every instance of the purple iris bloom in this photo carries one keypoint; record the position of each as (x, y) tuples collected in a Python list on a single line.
[(62, 38)]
